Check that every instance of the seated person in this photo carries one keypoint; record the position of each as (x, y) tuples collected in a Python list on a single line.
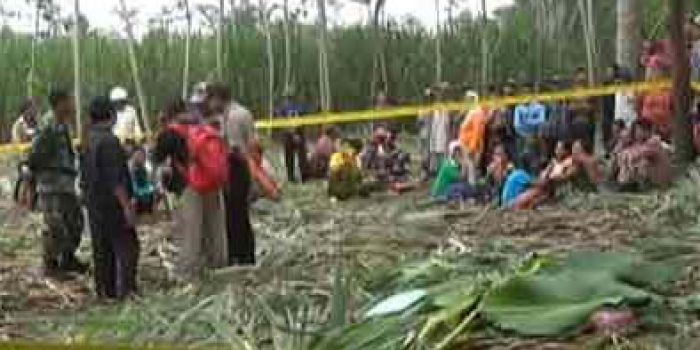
[(517, 182), (449, 174), (618, 129), (695, 119), (143, 186), (644, 162), (385, 163), (560, 169), (321, 154), (263, 184), (345, 176), (498, 172)]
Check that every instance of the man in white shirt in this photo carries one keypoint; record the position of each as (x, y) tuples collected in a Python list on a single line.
[(127, 127)]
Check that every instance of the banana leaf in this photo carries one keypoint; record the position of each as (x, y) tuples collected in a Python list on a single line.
[(559, 299)]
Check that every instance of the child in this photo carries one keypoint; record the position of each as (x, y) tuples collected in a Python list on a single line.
[(143, 187)]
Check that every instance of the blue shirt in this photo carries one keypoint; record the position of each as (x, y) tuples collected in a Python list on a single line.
[(517, 183), (528, 118), (291, 109)]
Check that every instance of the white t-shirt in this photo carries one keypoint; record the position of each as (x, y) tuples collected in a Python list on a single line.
[(625, 107), (127, 126)]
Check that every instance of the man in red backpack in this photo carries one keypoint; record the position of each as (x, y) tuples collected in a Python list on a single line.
[(236, 125), (197, 161)]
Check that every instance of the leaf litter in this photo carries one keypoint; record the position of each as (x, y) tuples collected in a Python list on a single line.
[(324, 265)]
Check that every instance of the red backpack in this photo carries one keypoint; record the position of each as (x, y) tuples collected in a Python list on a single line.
[(207, 170)]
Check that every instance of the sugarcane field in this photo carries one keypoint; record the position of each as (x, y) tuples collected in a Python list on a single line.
[(350, 174)]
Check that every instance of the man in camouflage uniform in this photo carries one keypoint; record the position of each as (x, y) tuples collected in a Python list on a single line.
[(52, 162)]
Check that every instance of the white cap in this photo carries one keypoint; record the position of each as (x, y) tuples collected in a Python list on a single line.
[(199, 92), (118, 94)]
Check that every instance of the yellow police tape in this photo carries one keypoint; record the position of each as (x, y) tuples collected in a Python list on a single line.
[(413, 110)]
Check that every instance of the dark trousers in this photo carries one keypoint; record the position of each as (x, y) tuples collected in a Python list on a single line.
[(295, 155), (115, 252), (63, 221), (241, 240)]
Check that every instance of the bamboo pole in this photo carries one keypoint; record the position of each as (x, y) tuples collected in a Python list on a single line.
[(32, 69), (270, 59), (76, 70), (188, 44), (220, 42), (484, 48), (144, 119), (287, 50), (438, 45)]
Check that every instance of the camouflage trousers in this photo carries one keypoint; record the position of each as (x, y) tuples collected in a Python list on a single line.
[(63, 226)]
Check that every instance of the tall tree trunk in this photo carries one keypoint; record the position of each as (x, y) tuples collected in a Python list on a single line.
[(629, 34), (484, 48), (287, 50), (590, 55), (188, 43), (76, 70), (270, 59), (220, 41), (131, 46), (324, 76), (682, 136), (35, 39), (438, 44)]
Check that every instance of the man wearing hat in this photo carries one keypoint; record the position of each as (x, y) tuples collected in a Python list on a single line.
[(126, 127)]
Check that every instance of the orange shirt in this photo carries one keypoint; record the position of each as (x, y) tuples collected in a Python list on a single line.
[(656, 107), (472, 132)]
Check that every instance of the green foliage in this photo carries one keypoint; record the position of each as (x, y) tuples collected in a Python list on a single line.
[(540, 297)]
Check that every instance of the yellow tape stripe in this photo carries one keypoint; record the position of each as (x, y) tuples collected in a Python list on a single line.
[(413, 110)]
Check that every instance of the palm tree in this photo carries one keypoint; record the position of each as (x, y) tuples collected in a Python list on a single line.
[(629, 34)]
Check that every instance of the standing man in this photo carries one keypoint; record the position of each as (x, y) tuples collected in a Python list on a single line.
[(52, 161), (199, 235), (110, 209), (127, 127), (237, 127), (440, 133), (294, 140)]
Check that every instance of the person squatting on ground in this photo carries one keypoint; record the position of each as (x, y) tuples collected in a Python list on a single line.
[(143, 187), (52, 163), (345, 176), (199, 237), (112, 216), (238, 130)]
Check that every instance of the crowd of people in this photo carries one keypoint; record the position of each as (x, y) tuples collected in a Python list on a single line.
[(206, 166)]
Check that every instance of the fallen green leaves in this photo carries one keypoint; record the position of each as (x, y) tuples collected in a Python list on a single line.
[(551, 299)]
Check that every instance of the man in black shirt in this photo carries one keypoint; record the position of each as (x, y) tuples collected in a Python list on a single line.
[(109, 201)]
